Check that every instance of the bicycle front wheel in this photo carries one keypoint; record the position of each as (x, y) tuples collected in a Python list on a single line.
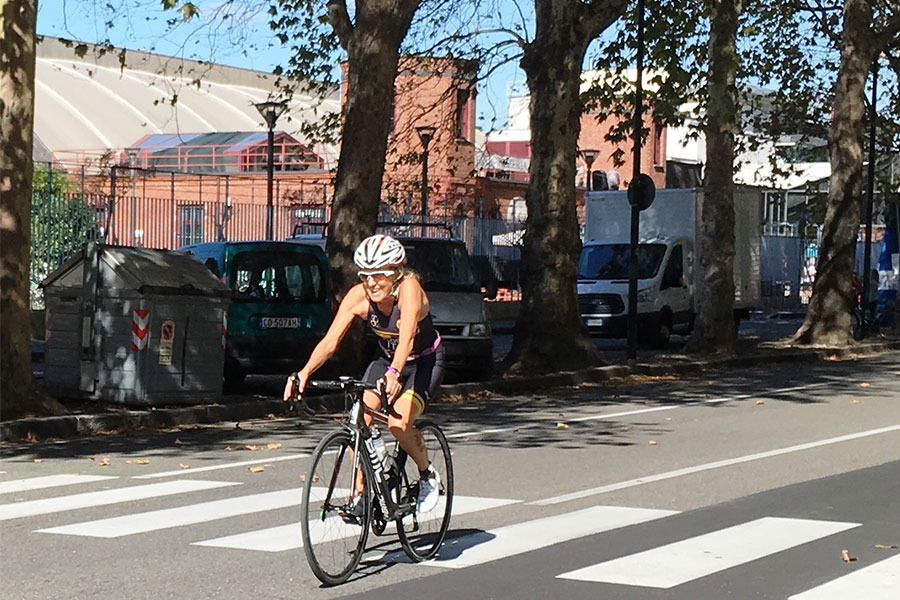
[(335, 525), (421, 535)]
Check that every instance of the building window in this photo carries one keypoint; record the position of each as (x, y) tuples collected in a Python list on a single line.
[(190, 224), (462, 113), (659, 152)]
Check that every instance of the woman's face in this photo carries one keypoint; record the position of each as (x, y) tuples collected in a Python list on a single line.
[(378, 283)]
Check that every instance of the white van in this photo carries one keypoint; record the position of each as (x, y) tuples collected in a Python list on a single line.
[(666, 238)]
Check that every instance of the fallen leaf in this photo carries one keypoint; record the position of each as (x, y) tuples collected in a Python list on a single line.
[(516, 430), (668, 418), (178, 442), (758, 402), (466, 439), (845, 556), (184, 466), (104, 462), (137, 461), (38, 460), (257, 469), (303, 478), (273, 446), (652, 442), (251, 447), (855, 401), (237, 425), (230, 448), (562, 425), (92, 458), (315, 479), (885, 547), (865, 384)]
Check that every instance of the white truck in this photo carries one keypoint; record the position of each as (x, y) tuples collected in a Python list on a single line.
[(666, 241)]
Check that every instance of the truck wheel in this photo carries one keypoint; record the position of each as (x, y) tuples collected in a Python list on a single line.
[(663, 333)]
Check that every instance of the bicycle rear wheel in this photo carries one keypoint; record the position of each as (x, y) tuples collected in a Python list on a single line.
[(421, 535), (334, 534)]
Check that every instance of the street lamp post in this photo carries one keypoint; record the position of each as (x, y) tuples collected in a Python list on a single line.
[(426, 134), (589, 156), (270, 111), (132, 154)]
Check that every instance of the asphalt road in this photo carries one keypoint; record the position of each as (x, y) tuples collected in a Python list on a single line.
[(743, 484)]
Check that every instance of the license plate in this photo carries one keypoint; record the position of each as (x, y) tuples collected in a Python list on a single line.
[(594, 322), (281, 322)]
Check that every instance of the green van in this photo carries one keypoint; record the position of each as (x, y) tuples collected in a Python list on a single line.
[(281, 303)]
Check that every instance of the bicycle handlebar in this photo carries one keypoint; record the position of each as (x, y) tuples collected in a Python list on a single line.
[(346, 384)]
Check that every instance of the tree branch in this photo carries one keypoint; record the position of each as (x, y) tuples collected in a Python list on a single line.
[(340, 21)]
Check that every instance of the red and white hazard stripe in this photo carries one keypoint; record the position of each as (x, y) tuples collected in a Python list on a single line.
[(224, 329), (140, 328)]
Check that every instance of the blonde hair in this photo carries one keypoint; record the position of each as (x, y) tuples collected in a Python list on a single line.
[(404, 272)]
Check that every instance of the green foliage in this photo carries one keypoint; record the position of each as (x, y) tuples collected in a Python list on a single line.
[(61, 223)]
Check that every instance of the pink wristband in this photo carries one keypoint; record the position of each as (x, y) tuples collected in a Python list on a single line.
[(392, 370)]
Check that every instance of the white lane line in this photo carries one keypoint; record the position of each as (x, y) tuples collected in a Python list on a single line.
[(287, 537), (486, 546), (243, 463), (880, 581), (643, 411), (183, 515), (712, 465), (48, 481), (674, 564), (105, 497)]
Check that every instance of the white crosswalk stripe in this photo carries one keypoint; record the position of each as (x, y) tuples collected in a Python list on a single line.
[(105, 497), (48, 481), (680, 562), (880, 581), (183, 515), (287, 537), (503, 542)]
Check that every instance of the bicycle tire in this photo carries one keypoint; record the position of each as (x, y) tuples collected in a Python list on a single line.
[(422, 535), (333, 544)]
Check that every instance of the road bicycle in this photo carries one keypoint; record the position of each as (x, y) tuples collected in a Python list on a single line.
[(351, 488), (883, 324)]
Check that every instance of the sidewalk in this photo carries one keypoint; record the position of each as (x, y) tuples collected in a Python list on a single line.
[(110, 420)]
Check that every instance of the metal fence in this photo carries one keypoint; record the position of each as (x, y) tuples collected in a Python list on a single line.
[(62, 222)]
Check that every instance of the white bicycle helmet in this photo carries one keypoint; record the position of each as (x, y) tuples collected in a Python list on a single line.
[(378, 252)]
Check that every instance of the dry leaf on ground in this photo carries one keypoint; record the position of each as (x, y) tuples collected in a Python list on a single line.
[(758, 402), (37, 460), (865, 384), (885, 547), (230, 448), (104, 462), (251, 447), (184, 466), (652, 442), (258, 469), (273, 446), (315, 479), (178, 442), (845, 556), (302, 477), (137, 461), (562, 425)]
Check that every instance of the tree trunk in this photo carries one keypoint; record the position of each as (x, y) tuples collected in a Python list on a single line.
[(714, 288), (549, 333), (17, 124), (828, 317), (372, 43)]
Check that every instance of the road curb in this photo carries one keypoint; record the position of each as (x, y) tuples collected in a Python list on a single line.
[(121, 421)]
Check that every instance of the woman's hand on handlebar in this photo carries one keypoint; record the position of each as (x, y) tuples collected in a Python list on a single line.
[(294, 386), (392, 387)]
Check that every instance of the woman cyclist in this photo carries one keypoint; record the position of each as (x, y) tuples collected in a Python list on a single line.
[(411, 362)]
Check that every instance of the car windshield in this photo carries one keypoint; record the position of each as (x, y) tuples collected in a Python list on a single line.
[(441, 266), (277, 277), (610, 261)]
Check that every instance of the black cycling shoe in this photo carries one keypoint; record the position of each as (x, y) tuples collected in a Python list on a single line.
[(352, 512)]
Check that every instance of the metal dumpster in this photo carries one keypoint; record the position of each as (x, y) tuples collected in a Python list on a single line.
[(136, 327)]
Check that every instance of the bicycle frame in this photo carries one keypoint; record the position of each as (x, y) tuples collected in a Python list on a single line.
[(364, 453)]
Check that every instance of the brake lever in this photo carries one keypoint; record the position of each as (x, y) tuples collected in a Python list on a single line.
[(386, 406)]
